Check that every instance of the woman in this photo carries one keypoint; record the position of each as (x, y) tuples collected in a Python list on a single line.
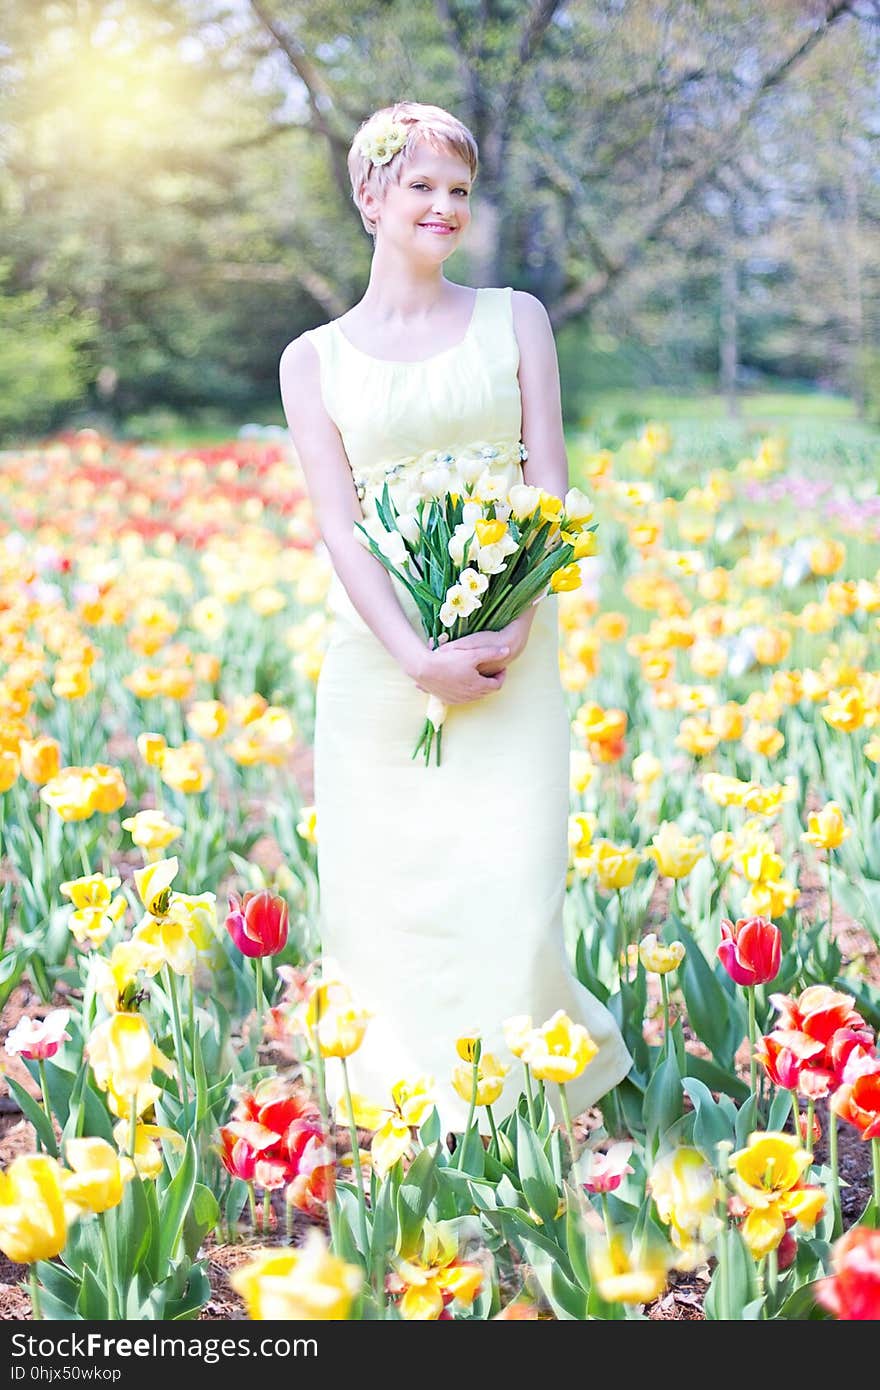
[(442, 887)]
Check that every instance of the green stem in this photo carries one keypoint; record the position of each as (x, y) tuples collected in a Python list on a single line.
[(267, 1211), (664, 990), (132, 1131), (182, 1087), (475, 1080), (332, 1213), (723, 1151), (258, 965), (44, 1087), (252, 1206), (830, 899), (772, 1278), (357, 1176), (568, 1128), (530, 1099), (875, 1159), (36, 1308), (191, 999), (495, 1140), (606, 1217), (753, 1061), (109, 1272), (837, 1225), (811, 1105)]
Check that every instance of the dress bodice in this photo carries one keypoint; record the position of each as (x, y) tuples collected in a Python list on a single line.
[(398, 420), (459, 411)]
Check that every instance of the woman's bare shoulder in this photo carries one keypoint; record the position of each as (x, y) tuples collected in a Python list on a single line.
[(299, 360), (529, 311)]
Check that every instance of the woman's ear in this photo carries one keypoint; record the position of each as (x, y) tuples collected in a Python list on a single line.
[(370, 204)]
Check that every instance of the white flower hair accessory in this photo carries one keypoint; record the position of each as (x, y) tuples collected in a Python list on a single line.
[(382, 141)]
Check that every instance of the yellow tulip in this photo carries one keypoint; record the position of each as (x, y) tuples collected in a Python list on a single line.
[(153, 883), (771, 1164), (517, 1031), (185, 770), (307, 825), (169, 942), (490, 532), (646, 769), (660, 959), (97, 1174), (306, 1284), (208, 718), (559, 1050), (390, 1142), (96, 923), (151, 831), (466, 1046), (826, 828), (113, 979), (686, 1192), (122, 1054), (92, 890), (764, 739), (71, 681), (10, 767), (845, 710), (110, 789), (627, 1276), (551, 506), (152, 748), (490, 1079), (728, 721), (33, 1225), (148, 1158), (614, 865), (335, 1024), (565, 579), (675, 854), (72, 793), (40, 759), (582, 770)]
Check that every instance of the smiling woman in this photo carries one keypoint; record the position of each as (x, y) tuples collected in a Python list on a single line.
[(441, 890)]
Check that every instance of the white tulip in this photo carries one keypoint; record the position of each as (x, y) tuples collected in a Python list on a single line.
[(470, 468), (408, 526), (578, 506), (490, 558), (393, 548), (436, 482), (471, 512), (459, 542), (472, 580), (524, 500)]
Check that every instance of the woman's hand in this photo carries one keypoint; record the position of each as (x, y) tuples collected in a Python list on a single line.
[(514, 637), (465, 669)]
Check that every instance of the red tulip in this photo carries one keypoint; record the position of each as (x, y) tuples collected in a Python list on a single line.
[(818, 1036), (750, 951), (780, 1063), (858, 1100), (258, 923), (853, 1291)]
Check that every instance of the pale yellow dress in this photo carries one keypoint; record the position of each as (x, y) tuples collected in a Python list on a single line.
[(442, 888)]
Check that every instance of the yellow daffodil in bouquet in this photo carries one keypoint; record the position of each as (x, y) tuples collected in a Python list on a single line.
[(474, 555)]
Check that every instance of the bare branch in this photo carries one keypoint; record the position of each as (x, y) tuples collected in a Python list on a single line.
[(320, 96), (581, 297)]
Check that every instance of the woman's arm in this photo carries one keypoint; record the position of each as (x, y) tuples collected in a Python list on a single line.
[(542, 433), (335, 503)]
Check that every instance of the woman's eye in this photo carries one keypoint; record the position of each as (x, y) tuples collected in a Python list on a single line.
[(462, 191)]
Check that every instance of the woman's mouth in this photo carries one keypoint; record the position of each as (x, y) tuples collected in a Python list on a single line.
[(441, 228)]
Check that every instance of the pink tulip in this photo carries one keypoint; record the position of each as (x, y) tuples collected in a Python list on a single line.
[(258, 923), (750, 951), (38, 1039), (605, 1172)]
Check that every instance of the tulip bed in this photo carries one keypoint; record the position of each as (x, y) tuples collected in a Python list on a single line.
[(162, 626)]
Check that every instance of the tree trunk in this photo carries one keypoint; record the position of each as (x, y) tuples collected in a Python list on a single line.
[(728, 325)]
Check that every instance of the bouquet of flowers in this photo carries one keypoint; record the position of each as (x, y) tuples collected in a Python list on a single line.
[(474, 566)]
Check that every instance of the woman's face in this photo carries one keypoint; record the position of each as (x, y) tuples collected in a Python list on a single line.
[(426, 213)]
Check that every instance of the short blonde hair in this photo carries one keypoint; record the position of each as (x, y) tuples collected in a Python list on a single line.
[(428, 125)]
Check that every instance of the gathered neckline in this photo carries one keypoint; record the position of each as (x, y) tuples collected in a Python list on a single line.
[(417, 361)]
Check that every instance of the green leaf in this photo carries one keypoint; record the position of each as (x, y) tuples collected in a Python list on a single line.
[(779, 1110), (538, 1183), (576, 1240), (202, 1217), (415, 1196), (714, 1121), (663, 1100), (567, 1299), (746, 1121), (91, 1305), (175, 1205), (801, 1306), (742, 1281), (35, 1113), (711, 1010), (430, 1130)]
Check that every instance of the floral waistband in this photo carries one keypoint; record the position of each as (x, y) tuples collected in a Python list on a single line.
[(465, 463)]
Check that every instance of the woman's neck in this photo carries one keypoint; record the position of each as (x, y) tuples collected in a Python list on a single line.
[(400, 290)]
